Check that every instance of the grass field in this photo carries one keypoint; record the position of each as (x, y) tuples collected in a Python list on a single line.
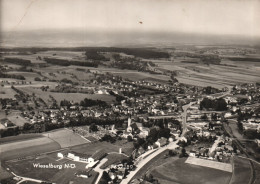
[(210, 164), (76, 97), (15, 118), (91, 148), (65, 138), (257, 172), (242, 171), (20, 137), (64, 175), (178, 171), (7, 93), (113, 159), (20, 149)]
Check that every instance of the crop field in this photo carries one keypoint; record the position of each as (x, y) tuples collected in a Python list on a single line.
[(66, 138), (177, 171), (20, 149), (64, 175), (214, 75), (242, 171)]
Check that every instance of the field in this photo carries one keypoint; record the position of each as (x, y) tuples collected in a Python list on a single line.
[(64, 175), (257, 172), (65, 138), (7, 93), (242, 171), (15, 118), (177, 171), (76, 97), (19, 137), (28, 147), (214, 75), (210, 164), (91, 148), (113, 158)]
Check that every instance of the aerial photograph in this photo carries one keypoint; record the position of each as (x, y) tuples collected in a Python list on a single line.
[(130, 91)]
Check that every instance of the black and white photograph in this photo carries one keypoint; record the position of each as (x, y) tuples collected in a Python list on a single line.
[(130, 91)]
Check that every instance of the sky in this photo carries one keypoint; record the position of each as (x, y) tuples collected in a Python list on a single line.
[(228, 17)]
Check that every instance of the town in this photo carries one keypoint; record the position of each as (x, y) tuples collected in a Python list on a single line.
[(145, 119)]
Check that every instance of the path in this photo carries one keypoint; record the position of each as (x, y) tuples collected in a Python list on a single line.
[(100, 171)]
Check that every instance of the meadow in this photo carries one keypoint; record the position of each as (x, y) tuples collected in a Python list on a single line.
[(66, 138), (30, 147), (177, 171), (242, 171)]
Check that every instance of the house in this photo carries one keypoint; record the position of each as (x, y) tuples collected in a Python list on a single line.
[(257, 141), (192, 153), (161, 142), (60, 155)]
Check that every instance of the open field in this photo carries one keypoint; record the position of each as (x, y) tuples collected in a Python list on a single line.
[(20, 137), (75, 97), (242, 171), (65, 138), (210, 164), (29, 76), (7, 93), (15, 118), (177, 171), (113, 158), (214, 75), (57, 175), (91, 148), (4, 174), (233, 125), (28, 147), (257, 172)]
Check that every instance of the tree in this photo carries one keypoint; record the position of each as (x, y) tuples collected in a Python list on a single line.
[(37, 79), (164, 132), (204, 116), (129, 138), (93, 128)]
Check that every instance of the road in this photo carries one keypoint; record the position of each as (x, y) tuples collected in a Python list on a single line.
[(100, 171), (22, 179), (172, 145)]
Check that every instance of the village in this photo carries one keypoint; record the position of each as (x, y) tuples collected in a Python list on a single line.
[(148, 114)]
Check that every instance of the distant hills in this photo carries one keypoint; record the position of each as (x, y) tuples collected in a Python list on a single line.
[(78, 38)]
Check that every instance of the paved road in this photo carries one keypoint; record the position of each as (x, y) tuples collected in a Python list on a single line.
[(172, 145)]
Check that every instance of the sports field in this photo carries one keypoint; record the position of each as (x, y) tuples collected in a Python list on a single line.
[(177, 171)]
